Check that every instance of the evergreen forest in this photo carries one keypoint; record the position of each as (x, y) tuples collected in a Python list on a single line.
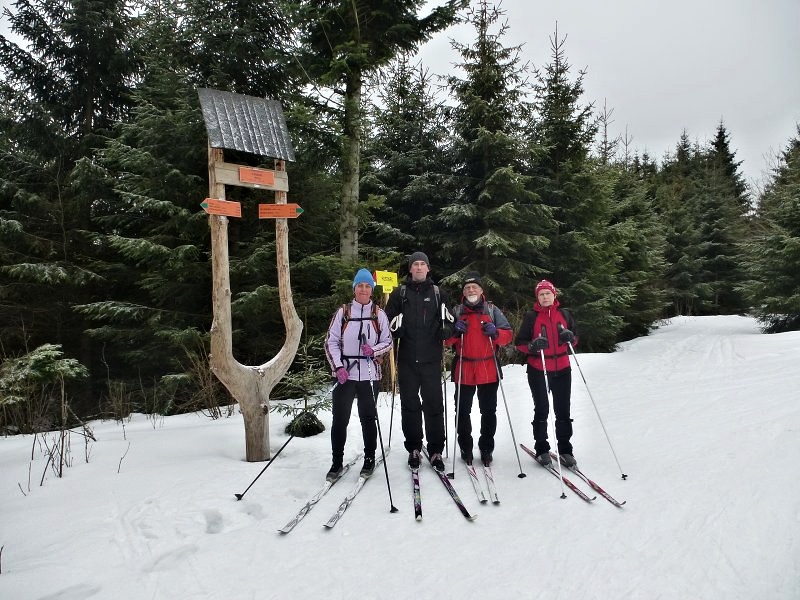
[(498, 167)]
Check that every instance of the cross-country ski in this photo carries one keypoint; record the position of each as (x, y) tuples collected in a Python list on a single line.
[(316, 498)]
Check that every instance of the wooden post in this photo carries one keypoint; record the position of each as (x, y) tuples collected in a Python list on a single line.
[(249, 385)]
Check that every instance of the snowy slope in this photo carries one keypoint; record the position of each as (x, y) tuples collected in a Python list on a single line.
[(703, 416)]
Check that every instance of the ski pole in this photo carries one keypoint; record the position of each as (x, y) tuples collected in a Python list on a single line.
[(240, 496), (505, 403), (444, 395), (452, 475), (392, 507), (588, 391), (552, 410), (395, 367)]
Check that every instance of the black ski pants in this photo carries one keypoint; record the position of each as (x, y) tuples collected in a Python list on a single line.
[(561, 387), (421, 380), (343, 395), (487, 403)]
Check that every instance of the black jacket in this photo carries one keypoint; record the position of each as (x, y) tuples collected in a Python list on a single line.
[(422, 329)]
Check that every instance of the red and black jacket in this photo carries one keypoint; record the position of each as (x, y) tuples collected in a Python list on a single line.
[(478, 353), (557, 354)]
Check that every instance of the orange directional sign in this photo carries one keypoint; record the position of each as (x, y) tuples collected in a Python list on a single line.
[(215, 206), (257, 176), (279, 211)]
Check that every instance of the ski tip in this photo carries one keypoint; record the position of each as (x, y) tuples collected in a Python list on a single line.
[(472, 518), (418, 518)]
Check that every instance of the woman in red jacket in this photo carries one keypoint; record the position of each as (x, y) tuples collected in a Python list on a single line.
[(480, 329), (548, 328)]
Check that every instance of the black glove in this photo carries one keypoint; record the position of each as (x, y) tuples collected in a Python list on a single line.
[(489, 329), (540, 343), (566, 336), (460, 327)]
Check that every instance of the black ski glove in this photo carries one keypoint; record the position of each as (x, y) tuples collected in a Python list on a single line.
[(540, 343), (566, 336)]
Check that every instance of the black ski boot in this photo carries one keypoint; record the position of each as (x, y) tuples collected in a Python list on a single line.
[(336, 471), (369, 467)]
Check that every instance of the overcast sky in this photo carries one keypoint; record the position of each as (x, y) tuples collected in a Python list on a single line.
[(666, 66)]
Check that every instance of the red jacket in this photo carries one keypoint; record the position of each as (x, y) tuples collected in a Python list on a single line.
[(478, 357), (557, 354)]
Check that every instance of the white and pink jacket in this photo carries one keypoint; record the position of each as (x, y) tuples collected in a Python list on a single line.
[(344, 340)]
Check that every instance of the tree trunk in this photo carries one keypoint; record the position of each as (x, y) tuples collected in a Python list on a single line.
[(351, 158)]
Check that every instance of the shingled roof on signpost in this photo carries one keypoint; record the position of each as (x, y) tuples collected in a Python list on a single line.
[(245, 123)]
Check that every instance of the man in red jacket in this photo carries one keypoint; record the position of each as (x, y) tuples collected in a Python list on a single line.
[(547, 328), (480, 329)]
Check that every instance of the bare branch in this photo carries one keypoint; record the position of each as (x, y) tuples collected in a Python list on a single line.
[(122, 458)]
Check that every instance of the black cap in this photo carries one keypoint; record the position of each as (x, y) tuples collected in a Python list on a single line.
[(471, 277)]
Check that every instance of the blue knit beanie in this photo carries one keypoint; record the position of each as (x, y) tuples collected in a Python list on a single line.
[(363, 276)]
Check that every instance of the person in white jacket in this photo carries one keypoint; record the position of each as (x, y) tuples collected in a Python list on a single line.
[(357, 335)]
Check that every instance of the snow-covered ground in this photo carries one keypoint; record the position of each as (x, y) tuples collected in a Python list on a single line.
[(704, 417)]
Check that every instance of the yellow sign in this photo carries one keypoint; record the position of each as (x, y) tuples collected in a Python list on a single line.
[(387, 280)]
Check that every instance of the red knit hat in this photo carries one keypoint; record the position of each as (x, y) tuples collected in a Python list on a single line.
[(545, 285)]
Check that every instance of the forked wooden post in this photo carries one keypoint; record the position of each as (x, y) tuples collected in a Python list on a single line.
[(249, 385)]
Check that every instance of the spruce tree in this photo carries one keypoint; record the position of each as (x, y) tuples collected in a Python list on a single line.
[(722, 207), (583, 257), (241, 46), (341, 43), (703, 204), (62, 91), (405, 163), (641, 247), (675, 194), (494, 223), (773, 253)]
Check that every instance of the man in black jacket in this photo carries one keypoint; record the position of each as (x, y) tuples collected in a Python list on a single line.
[(420, 322)]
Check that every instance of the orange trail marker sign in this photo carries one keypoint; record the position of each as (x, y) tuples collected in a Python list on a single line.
[(215, 206), (279, 211), (256, 176)]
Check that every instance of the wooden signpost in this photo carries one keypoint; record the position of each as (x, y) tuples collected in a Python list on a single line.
[(388, 281)]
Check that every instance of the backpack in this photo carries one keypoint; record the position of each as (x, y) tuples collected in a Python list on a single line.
[(488, 310), (435, 293), (437, 297), (346, 318)]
